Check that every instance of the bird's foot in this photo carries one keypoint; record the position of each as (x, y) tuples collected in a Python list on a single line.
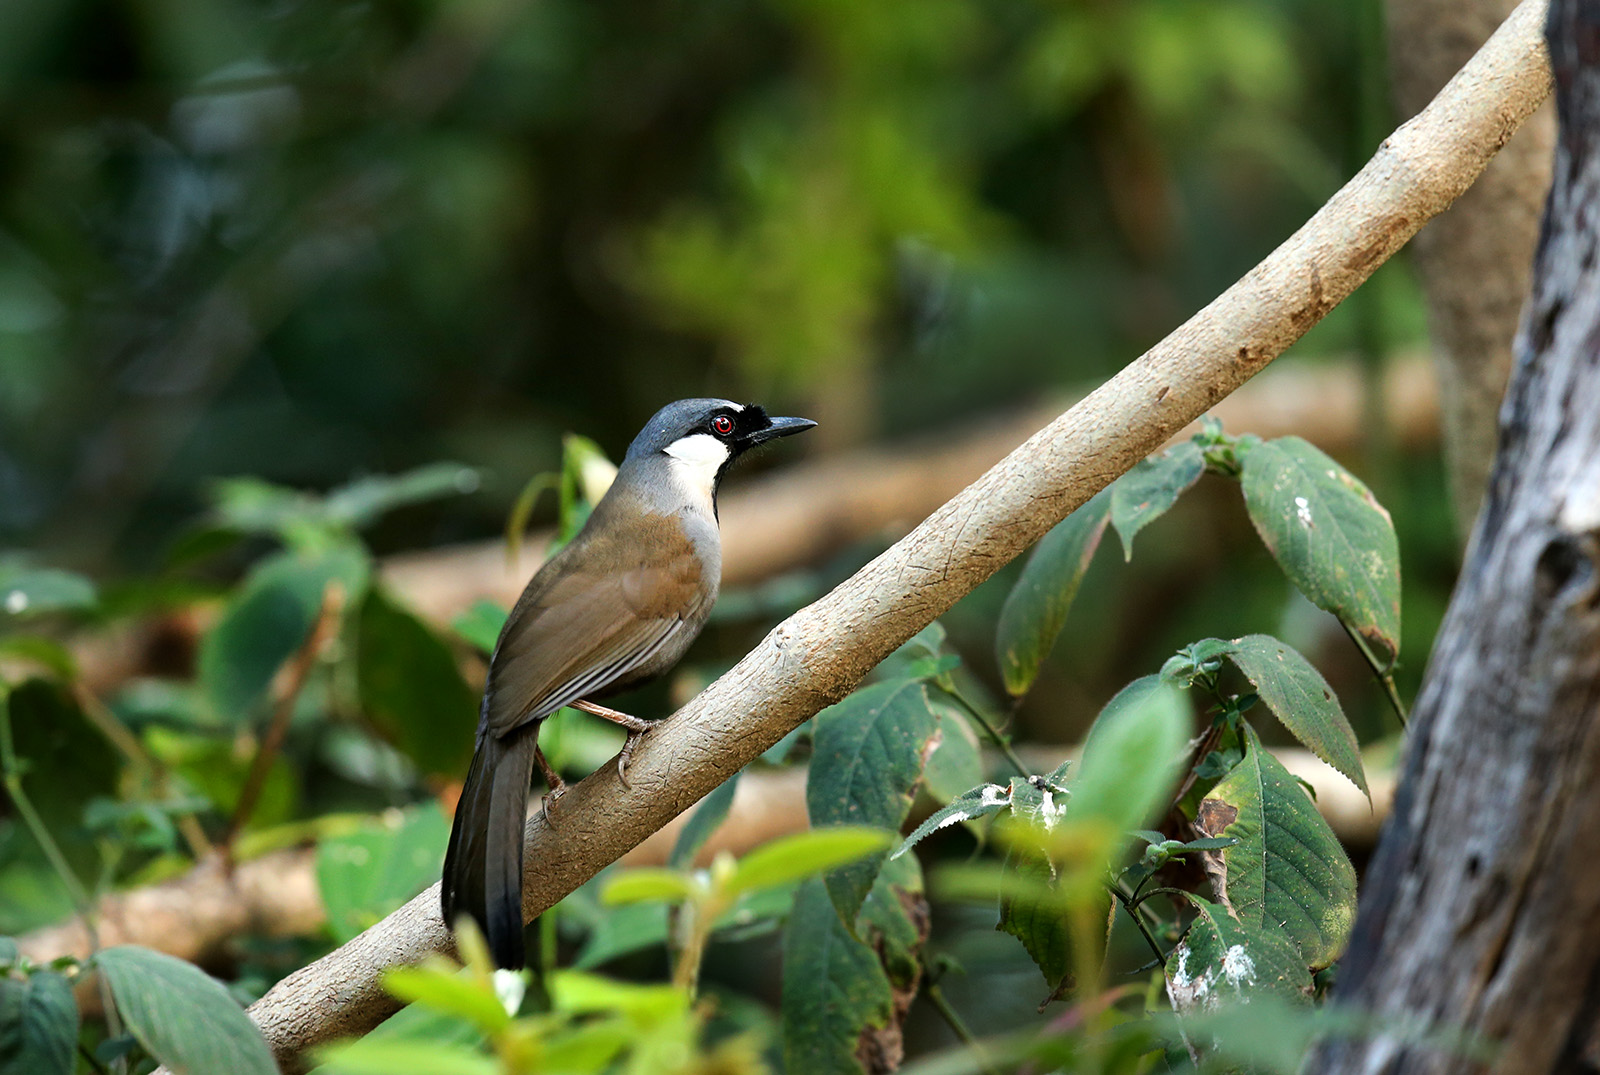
[(558, 787), (627, 752), (550, 799)]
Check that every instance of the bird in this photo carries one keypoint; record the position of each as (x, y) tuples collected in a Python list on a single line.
[(617, 605)]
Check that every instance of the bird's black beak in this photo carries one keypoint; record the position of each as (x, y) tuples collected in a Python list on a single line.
[(780, 427)]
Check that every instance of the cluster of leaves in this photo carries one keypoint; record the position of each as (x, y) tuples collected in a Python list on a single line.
[(1203, 850)]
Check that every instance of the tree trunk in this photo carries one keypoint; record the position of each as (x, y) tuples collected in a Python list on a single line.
[(1474, 260), (1482, 905)]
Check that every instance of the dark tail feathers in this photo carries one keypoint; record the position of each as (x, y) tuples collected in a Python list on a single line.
[(483, 866)]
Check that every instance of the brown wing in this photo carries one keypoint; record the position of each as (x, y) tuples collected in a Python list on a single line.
[(598, 611)]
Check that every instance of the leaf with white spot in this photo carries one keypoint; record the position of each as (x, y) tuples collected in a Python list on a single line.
[(1221, 961), (979, 802), (1329, 534)]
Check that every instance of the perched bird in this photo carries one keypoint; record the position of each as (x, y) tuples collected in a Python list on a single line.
[(618, 605)]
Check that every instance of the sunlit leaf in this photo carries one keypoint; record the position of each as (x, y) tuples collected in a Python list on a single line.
[(790, 858), (647, 884), (450, 990)]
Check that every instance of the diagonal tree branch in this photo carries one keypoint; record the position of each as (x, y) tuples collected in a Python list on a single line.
[(819, 654)]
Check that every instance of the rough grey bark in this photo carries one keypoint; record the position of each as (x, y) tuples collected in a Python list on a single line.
[(1475, 259), (1482, 905)]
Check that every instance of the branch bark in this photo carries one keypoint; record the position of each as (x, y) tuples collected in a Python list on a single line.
[(1482, 907), (816, 656), (1475, 260)]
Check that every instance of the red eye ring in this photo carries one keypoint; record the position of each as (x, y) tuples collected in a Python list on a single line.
[(722, 425)]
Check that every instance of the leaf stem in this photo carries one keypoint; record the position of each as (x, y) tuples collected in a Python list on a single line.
[(958, 1026), (1000, 739), (1384, 676), (1132, 908), (299, 669)]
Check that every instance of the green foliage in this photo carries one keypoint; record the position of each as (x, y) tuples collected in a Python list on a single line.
[(365, 874), (1149, 490), (32, 591), (711, 812), (38, 1024), (1329, 534), (1037, 607), (411, 687), (181, 1017)]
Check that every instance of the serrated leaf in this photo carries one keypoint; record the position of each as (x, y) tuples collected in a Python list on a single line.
[(366, 874), (705, 820), (1038, 921), (1221, 961), (1288, 868), (969, 806), (1298, 695), (411, 688), (183, 1017), (834, 987), (866, 762), (647, 885), (27, 592), (479, 626), (791, 858), (267, 620), (38, 1025), (1037, 607), (1149, 490), (1329, 535)]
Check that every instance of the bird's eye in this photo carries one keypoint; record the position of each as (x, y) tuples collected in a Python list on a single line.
[(722, 425)]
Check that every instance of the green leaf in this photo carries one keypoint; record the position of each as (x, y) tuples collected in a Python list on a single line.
[(790, 858), (895, 920), (1298, 695), (362, 501), (834, 988), (968, 806), (647, 885), (622, 931), (366, 874), (28, 592), (411, 1057), (45, 653), (449, 990), (1288, 869), (267, 620), (1221, 960), (411, 687), (183, 1017), (67, 763), (708, 816), (956, 763), (1132, 755), (1033, 913), (38, 1025), (1329, 535), (1037, 607), (866, 762), (1149, 490), (479, 626)]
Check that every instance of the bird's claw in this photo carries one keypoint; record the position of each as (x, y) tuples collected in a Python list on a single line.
[(626, 753)]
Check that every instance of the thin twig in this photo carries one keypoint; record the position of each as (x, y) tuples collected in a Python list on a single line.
[(298, 670), (1000, 740), (154, 773), (958, 1026), (1384, 676), (1133, 912)]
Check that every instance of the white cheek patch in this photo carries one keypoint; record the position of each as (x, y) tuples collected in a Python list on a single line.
[(696, 459)]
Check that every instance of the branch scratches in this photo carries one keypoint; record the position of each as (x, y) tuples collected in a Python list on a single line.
[(1415, 175)]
